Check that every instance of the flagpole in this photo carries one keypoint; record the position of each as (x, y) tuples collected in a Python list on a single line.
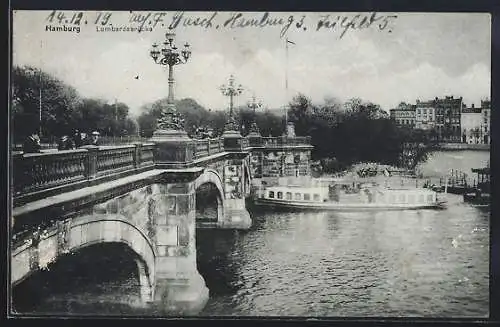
[(40, 100), (40, 95), (286, 89)]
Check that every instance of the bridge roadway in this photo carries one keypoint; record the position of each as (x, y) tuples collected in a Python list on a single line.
[(144, 196)]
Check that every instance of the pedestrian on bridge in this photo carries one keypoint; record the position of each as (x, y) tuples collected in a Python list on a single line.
[(94, 139), (32, 143), (65, 143), (78, 139)]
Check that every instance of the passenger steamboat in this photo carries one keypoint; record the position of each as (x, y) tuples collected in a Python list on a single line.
[(343, 197)]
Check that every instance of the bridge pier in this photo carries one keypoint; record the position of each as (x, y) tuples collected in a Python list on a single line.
[(236, 215), (179, 288)]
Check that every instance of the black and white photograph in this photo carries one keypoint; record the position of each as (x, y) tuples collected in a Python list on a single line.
[(249, 164)]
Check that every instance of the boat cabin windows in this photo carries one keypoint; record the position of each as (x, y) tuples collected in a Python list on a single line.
[(298, 196), (430, 198), (288, 195), (316, 197), (307, 196), (280, 195), (271, 194)]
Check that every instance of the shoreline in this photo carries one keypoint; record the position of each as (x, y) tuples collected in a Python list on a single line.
[(463, 146)]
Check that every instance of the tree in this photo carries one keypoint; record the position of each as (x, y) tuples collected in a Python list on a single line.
[(269, 123), (33, 89), (299, 113), (63, 110)]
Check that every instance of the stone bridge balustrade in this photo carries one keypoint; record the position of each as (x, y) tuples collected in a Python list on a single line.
[(208, 147), (37, 175)]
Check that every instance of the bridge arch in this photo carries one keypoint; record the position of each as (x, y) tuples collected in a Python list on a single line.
[(89, 230), (211, 176)]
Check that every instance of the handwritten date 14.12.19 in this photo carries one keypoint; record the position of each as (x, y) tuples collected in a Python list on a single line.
[(78, 18)]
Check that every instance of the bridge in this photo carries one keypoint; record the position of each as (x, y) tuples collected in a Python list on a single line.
[(142, 195)]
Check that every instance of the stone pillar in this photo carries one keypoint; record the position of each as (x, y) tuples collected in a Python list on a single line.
[(179, 288), (236, 215), (91, 163), (232, 141), (174, 149)]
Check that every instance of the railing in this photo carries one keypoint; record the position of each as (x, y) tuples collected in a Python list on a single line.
[(34, 172), (206, 147), (146, 155), (284, 140), (201, 148), (115, 159), (116, 140), (43, 146)]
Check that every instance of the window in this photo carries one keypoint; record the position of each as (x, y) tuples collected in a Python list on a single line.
[(297, 196), (430, 198), (271, 194), (401, 198), (316, 197), (421, 198), (307, 196), (288, 195), (280, 195)]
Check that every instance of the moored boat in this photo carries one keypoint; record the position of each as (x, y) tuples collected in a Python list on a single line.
[(342, 197), (480, 194)]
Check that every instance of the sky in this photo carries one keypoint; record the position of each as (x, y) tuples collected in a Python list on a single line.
[(416, 56)]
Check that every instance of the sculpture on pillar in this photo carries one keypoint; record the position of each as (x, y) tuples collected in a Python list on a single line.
[(170, 119)]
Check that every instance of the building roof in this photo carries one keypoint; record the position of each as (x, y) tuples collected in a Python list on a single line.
[(424, 104), (448, 100)]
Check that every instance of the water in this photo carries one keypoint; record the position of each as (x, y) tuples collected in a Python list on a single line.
[(414, 263), (410, 263)]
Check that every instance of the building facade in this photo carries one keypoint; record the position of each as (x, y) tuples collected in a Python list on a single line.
[(425, 115), (404, 115), (448, 117), (486, 121), (471, 123)]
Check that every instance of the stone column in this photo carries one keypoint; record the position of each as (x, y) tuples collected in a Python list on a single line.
[(179, 287)]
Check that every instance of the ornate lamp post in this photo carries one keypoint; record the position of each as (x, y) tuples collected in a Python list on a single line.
[(231, 91), (170, 122), (254, 129)]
